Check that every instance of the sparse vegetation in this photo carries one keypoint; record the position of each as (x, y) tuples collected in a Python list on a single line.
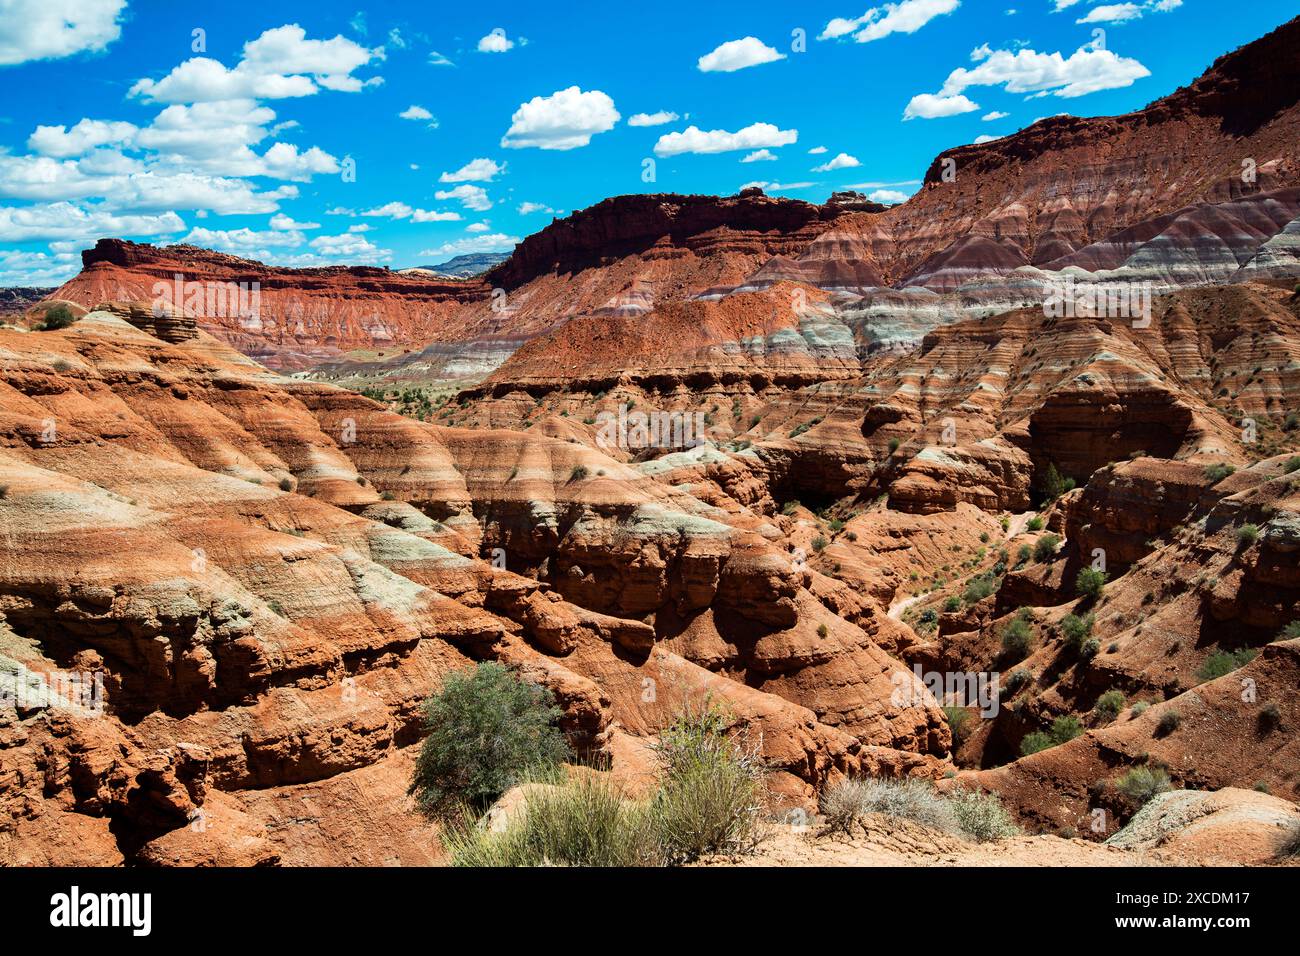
[(819, 543), (823, 630), (1247, 535), (1064, 729), (57, 316), (1016, 638), (579, 472), (959, 723), (1170, 721), (982, 816), (1035, 523), (1109, 705), (1225, 662), (1089, 583), (1045, 547), (1217, 472), (1142, 783), (977, 816), (1077, 630)]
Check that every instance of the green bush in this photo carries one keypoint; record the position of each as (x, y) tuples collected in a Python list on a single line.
[(1077, 629), (1035, 523), (1064, 729), (57, 316), (951, 604), (1090, 648), (1045, 547), (1247, 535), (1224, 662), (485, 731), (1291, 464), (1016, 680), (1109, 705), (1170, 721), (819, 543), (959, 719), (1139, 708), (845, 803), (1290, 632), (978, 588), (1089, 583), (1217, 472), (893, 445), (579, 472), (1032, 743), (1142, 783), (1016, 638)]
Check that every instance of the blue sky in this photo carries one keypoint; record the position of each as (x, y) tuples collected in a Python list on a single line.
[(470, 125)]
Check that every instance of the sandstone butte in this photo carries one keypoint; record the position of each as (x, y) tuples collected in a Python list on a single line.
[(272, 571)]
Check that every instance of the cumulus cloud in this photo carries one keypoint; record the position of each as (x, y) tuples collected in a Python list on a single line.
[(841, 161), (695, 140), (759, 156), (478, 227), (84, 136), (777, 187), (890, 196), (737, 55), (1084, 71), (472, 197), (281, 63), (995, 115), (932, 106), (652, 119), (52, 29), (64, 220), (816, 150), (877, 23), (283, 223), (400, 210), (492, 242), (414, 112), (496, 42), (350, 247), (528, 208), (985, 138), (475, 171), (567, 119)]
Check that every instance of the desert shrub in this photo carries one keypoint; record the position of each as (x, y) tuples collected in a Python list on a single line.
[(819, 543), (1045, 547), (1024, 553), (712, 794), (959, 719), (4, 491), (790, 507), (1217, 472), (848, 801), (1109, 705), (1089, 583), (1016, 680), (978, 588), (893, 445), (1090, 648), (982, 816), (485, 731), (57, 316), (1170, 721), (387, 496), (582, 822), (1224, 662), (1270, 716), (1142, 783), (1291, 464), (1139, 708), (1290, 632), (1035, 523), (579, 472), (286, 484), (952, 604), (1016, 638), (1247, 535), (1077, 629), (823, 630), (1064, 729)]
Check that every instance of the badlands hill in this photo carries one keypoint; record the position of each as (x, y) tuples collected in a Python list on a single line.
[(908, 463)]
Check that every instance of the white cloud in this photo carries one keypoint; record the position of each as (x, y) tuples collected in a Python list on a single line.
[(414, 112), (652, 119), (567, 119), (528, 208), (475, 171), (495, 42), (64, 220), (280, 63), (695, 140), (84, 136), (400, 210), (478, 227), (816, 150), (472, 197), (1112, 13), (350, 247), (493, 242), (985, 138), (778, 187), (51, 29), (737, 55), (244, 242), (908, 16), (890, 196), (1084, 71), (930, 106), (437, 59), (283, 223), (841, 161), (22, 268), (995, 115), (759, 156)]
